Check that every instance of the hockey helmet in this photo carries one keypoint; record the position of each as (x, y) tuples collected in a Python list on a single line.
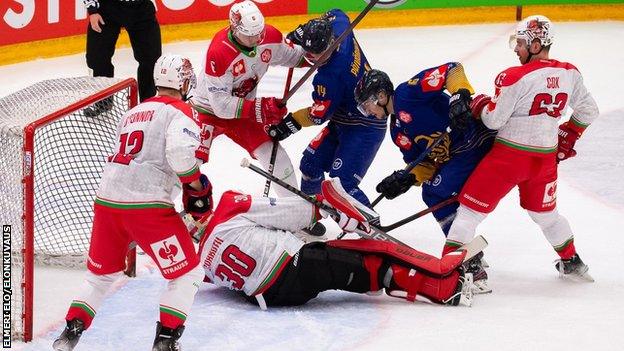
[(172, 71), (532, 28), (314, 36), (369, 86), (246, 18)]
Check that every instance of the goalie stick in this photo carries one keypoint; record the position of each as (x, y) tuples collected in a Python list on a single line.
[(418, 159)]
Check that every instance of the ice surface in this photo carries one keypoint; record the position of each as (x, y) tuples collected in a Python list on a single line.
[(530, 308)]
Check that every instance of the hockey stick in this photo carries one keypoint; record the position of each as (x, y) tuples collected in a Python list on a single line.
[(329, 51), (267, 185), (377, 233), (418, 159), (417, 215)]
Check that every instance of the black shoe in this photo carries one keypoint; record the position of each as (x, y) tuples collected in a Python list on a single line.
[(167, 338), (573, 268), (70, 336), (474, 266), (316, 229), (99, 107)]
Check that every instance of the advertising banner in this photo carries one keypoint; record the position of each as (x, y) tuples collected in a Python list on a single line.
[(28, 20)]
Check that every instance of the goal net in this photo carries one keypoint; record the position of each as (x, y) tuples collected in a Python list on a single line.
[(54, 139)]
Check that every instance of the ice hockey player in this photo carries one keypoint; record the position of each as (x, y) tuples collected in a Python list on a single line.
[(349, 142), (421, 111), (158, 139), (237, 58), (528, 101), (248, 246)]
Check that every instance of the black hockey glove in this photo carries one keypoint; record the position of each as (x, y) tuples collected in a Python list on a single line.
[(197, 202), (396, 184), (459, 109), (285, 128)]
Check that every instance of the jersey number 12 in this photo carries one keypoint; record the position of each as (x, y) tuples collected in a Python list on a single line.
[(132, 141)]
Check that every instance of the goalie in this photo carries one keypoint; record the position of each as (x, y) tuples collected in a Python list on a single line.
[(248, 246)]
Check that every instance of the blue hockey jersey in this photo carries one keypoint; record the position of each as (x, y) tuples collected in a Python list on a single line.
[(421, 108), (336, 79)]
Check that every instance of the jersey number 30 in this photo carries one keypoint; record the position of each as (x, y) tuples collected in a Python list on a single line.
[(546, 103), (235, 265)]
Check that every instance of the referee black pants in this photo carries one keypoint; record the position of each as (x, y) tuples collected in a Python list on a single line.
[(139, 20)]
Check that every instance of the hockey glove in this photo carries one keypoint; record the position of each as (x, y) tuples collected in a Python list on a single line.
[(396, 184), (266, 110), (287, 127), (478, 104), (459, 109), (197, 202), (567, 138)]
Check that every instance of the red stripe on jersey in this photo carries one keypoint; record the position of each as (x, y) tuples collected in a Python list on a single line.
[(272, 35), (220, 54), (513, 74), (231, 204), (178, 105)]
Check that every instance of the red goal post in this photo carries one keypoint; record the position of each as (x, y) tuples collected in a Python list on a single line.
[(55, 136)]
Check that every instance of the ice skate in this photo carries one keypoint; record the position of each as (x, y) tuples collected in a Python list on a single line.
[(167, 338), (574, 269), (464, 293), (70, 336), (475, 266)]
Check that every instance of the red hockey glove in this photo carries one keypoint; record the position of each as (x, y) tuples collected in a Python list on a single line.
[(567, 139), (264, 110), (197, 202), (478, 104)]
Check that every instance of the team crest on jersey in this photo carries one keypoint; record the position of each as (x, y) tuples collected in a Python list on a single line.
[(337, 164), (550, 194), (319, 108), (405, 117), (434, 79), (265, 56), (403, 142), (239, 68), (169, 254), (241, 198)]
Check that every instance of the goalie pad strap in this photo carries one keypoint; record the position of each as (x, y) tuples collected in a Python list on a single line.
[(372, 264), (405, 254)]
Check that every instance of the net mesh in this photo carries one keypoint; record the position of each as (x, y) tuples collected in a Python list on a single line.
[(69, 155)]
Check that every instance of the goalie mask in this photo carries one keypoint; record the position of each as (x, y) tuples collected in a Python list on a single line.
[(175, 72), (246, 19), (368, 88)]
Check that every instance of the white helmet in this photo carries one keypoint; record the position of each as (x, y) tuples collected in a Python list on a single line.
[(535, 27), (246, 18), (172, 71)]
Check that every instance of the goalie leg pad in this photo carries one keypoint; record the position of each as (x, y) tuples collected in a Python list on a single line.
[(408, 256)]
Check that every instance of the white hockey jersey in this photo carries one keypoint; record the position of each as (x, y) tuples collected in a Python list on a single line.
[(248, 241), (231, 74), (156, 148), (530, 99)]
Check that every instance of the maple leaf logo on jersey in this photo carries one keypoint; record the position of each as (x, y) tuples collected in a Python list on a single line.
[(434, 80), (266, 55), (239, 68), (403, 142), (405, 117)]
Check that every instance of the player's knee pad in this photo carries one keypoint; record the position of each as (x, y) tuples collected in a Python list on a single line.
[(102, 281), (465, 224), (555, 227)]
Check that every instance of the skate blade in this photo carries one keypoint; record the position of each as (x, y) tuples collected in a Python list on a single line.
[(582, 277)]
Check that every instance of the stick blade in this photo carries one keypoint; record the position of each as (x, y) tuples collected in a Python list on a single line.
[(473, 247)]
